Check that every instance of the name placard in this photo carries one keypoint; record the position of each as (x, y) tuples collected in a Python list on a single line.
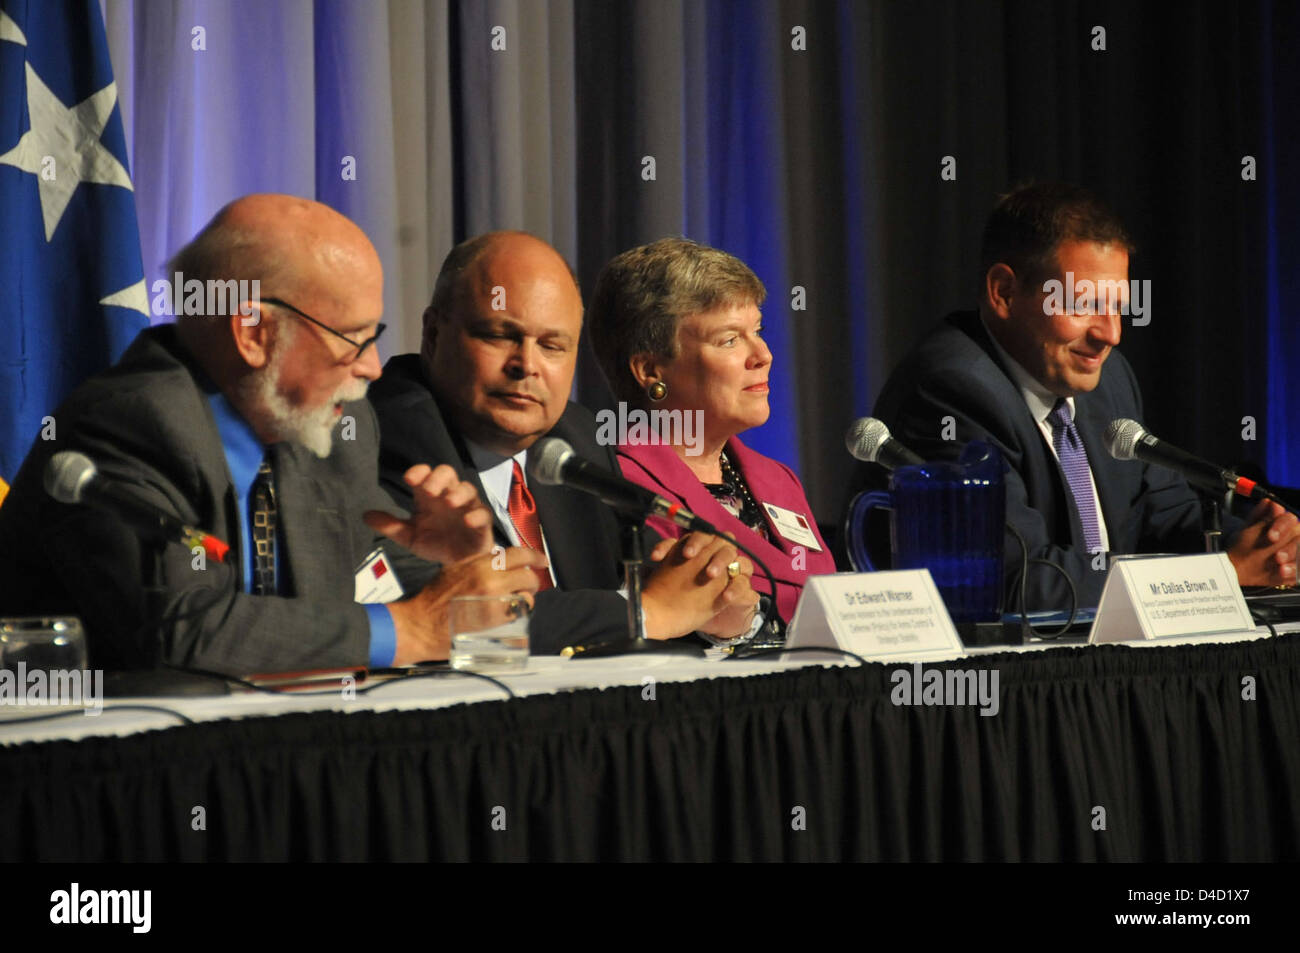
[(1159, 597), (878, 615)]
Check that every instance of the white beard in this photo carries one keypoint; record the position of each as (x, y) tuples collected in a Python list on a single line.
[(311, 427)]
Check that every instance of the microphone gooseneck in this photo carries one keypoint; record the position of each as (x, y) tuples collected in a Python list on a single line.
[(72, 478), (1128, 440)]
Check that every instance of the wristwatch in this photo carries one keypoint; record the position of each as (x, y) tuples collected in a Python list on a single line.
[(755, 624)]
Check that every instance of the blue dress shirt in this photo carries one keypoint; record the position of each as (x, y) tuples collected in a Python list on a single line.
[(244, 454)]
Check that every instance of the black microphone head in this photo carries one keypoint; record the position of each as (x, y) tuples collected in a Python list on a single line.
[(1122, 437), (66, 475), (546, 460), (865, 437)]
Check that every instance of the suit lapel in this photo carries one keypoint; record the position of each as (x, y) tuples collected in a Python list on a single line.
[(763, 491), (566, 517), (307, 513), (582, 533), (449, 446), (679, 481), (1037, 455), (214, 471), (466, 471)]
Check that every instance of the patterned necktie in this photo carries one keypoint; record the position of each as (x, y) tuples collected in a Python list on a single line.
[(1074, 461), (263, 513), (523, 513)]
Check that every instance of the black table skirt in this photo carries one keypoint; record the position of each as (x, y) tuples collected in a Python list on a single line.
[(1157, 744)]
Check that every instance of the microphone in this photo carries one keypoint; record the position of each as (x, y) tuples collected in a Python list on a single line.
[(553, 462), (1129, 440), (71, 477), (868, 439)]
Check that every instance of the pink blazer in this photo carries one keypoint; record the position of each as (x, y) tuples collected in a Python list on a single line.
[(659, 469)]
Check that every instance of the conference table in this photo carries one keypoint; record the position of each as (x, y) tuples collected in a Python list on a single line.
[(1181, 751)]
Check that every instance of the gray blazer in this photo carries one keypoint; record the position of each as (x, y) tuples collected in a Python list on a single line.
[(147, 422)]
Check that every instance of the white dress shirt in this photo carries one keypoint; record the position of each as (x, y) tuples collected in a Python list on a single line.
[(496, 473), (1040, 402)]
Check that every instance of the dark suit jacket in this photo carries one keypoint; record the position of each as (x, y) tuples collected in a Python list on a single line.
[(659, 469), (147, 422), (955, 371), (582, 533)]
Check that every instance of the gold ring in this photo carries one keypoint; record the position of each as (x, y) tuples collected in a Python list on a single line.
[(733, 568)]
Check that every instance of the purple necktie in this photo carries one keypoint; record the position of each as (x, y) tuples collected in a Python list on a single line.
[(1074, 461)]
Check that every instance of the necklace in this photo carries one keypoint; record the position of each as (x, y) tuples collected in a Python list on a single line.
[(749, 514)]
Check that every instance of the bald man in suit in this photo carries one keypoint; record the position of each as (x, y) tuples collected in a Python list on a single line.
[(252, 425), (493, 376)]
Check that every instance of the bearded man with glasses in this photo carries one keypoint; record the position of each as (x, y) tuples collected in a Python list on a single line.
[(252, 426)]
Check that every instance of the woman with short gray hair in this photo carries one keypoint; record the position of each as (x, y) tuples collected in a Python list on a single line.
[(678, 331)]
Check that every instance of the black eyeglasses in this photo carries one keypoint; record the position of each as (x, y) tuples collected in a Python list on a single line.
[(361, 348)]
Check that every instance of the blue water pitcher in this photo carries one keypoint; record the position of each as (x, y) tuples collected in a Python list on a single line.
[(947, 518)]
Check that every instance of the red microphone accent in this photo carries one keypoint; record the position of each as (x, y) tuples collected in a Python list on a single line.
[(215, 548), (1250, 490), (672, 510)]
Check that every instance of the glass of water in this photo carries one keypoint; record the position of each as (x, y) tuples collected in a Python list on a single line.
[(48, 643), (489, 634)]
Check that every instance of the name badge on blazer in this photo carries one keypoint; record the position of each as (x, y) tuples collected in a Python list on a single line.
[(376, 581), (793, 526)]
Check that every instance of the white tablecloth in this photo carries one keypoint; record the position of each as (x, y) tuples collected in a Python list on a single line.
[(544, 675)]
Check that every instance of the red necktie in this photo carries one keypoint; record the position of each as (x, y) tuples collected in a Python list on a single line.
[(523, 513)]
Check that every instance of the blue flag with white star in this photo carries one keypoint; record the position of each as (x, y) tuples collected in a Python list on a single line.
[(71, 280)]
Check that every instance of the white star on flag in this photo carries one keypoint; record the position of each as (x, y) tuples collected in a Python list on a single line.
[(135, 297), (71, 138), (9, 30)]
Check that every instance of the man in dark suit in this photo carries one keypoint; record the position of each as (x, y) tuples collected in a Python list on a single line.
[(493, 376), (251, 425), (1038, 378)]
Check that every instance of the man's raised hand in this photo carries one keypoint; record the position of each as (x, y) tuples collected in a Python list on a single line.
[(448, 522)]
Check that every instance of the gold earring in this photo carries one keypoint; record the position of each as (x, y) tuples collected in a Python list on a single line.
[(657, 391)]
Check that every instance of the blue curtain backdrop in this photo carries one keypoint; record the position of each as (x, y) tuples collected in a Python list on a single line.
[(744, 185), (1281, 244), (805, 136)]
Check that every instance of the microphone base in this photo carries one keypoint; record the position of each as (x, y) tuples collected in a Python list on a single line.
[(979, 634), (758, 646), (162, 683), (639, 646)]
